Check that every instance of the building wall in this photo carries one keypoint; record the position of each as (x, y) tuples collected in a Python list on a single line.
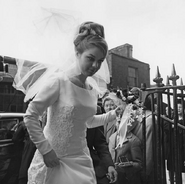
[(11, 100), (119, 66)]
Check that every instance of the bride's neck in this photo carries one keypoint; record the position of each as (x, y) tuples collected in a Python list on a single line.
[(79, 81), (81, 78)]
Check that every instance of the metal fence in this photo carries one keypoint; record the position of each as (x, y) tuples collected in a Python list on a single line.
[(168, 130)]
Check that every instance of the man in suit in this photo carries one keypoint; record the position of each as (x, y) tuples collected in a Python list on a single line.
[(102, 161)]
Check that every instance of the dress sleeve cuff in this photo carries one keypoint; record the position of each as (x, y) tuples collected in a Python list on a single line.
[(44, 147)]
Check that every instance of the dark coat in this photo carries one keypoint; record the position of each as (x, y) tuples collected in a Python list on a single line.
[(181, 147), (131, 149), (27, 153), (16, 156), (27, 156), (99, 153), (149, 147), (109, 129)]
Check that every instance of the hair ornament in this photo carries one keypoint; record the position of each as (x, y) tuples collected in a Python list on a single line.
[(120, 95), (93, 32), (88, 30)]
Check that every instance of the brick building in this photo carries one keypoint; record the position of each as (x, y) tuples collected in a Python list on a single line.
[(126, 71), (11, 100)]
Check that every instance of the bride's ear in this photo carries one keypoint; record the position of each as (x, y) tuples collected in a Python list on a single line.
[(77, 54)]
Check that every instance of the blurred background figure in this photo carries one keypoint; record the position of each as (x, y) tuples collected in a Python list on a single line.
[(147, 177), (102, 160), (181, 141), (127, 155), (110, 102)]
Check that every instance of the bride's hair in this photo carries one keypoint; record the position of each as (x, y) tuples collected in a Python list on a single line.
[(90, 34)]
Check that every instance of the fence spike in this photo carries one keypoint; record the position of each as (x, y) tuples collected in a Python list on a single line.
[(173, 70), (181, 82), (167, 81), (158, 78), (158, 73), (173, 76)]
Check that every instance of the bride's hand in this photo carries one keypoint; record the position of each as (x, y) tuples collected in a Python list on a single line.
[(51, 159)]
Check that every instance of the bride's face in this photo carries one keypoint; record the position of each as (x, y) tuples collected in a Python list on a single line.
[(90, 60)]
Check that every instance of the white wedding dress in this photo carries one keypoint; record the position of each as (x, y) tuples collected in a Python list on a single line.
[(71, 110)]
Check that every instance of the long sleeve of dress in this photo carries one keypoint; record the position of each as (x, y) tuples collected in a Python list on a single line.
[(100, 120), (46, 97)]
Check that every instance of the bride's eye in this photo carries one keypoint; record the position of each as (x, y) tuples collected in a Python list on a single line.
[(90, 59)]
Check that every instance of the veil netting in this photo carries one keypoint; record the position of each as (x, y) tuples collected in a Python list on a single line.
[(44, 46)]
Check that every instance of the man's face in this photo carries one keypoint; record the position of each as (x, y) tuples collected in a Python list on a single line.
[(109, 105), (180, 110)]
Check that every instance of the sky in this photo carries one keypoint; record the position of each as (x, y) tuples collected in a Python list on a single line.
[(156, 31), (155, 28)]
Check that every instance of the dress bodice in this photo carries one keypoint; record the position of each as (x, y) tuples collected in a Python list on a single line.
[(66, 125)]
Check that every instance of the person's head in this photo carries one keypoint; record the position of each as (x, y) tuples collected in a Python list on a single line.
[(147, 103), (167, 110), (108, 104), (135, 91), (90, 47), (180, 107), (134, 96)]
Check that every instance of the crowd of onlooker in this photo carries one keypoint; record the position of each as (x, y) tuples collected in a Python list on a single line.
[(118, 145), (125, 136)]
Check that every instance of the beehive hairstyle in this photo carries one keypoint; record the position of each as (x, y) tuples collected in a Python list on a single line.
[(90, 34)]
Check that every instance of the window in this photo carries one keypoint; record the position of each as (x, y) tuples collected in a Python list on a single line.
[(132, 77)]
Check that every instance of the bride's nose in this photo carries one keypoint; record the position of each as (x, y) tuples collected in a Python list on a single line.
[(95, 64)]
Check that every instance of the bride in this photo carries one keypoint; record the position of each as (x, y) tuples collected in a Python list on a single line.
[(62, 155), (65, 86)]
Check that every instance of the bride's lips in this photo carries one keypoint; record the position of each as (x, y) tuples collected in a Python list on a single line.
[(91, 71)]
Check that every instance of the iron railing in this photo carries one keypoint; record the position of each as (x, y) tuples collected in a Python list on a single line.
[(168, 134)]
